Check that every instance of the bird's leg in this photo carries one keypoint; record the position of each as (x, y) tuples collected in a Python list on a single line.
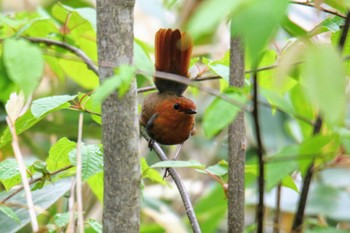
[(150, 144), (178, 151), (166, 173)]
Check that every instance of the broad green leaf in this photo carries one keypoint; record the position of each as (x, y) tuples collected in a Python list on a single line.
[(302, 106), (120, 81), (217, 169), (44, 105), (39, 27), (8, 169), (9, 173), (208, 16), (58, 154), (6, 85), (288, 182), (96, 185), (151, 173), (42, 198), (221, 67), (325, 230), (9, 212), (20, 53), (79, 73), (292, 28), (178, 163), (92, 160), (270, 13), (77, 17), (95, 225), (141, 58), (25, 122), (221, 113), (209, 215), (89, 14), (280, 171), (324, 80), (62, 219)]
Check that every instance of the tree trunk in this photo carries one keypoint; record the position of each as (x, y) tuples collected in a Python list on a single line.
[(236, 142), (120, 126)]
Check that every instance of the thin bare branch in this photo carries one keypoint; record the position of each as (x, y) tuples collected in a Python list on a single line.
[(79, 175), (23, 172), (309, 4), (180, 186), (261, 181), (32, 181), (68, 47)]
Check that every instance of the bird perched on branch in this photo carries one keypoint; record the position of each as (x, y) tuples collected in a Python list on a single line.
[(167, 115)]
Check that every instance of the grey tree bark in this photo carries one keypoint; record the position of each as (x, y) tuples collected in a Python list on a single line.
[(236, 143), (120, 125)]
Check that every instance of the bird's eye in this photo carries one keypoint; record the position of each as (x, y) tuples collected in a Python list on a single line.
[(176, 106)]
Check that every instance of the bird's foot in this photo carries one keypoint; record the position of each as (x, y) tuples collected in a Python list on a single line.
[(150, 144)]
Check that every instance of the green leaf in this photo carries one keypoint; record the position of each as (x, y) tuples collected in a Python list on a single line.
[(95, 225), (92, 160), (208, 16), (221, 67), (209, 215), (8, 169), (78, 18), (121, 81), (58, 154), (25, 122), (20, 53), (62, 219), (221, 113), (96, 185), (44, 198), (79, 73), (9, 173), (141, 58), (150, 173), (324, 80), (178, 163), (42, 106), (292, 28), (217, 169), (9, 212), (245, 24)]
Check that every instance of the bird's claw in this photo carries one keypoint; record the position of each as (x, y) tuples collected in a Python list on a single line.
[(150, 144)]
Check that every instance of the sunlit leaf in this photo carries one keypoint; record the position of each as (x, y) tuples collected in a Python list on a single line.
[(44, 105), (324, 80), (220, 113), (92, 160), (178, 163), (58, 154), (269, 13), (20, 53), (9, 212)]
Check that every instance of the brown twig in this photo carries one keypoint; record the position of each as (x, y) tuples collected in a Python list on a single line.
[(309, 4), (32, 181), (68, 47)]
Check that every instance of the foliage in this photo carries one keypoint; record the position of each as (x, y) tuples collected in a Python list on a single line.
[(299, 79)]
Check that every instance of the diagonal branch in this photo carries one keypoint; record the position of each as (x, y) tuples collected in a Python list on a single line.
[(89, 63), (182, 190)]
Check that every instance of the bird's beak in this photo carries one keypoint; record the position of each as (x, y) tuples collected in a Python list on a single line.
[(190, 111)]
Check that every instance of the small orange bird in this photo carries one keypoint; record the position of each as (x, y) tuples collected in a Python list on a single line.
[(167, 115)]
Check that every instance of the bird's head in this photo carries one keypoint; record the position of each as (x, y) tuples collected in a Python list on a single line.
[(179, 104)]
